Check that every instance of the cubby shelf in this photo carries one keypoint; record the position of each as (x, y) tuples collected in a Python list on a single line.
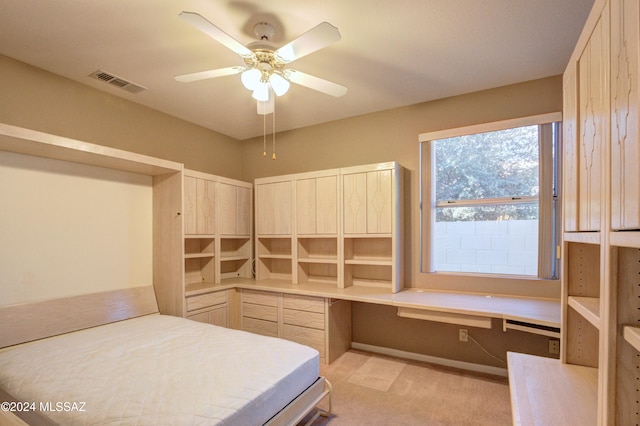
[(632, 336), (588, 307)]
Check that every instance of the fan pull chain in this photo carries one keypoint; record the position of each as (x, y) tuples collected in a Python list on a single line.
[(264, 135), (273, 125)]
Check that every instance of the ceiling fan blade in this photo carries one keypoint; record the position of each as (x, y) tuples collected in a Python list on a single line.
[(202, 75), (216, 33), (315, 83), (315, 39)]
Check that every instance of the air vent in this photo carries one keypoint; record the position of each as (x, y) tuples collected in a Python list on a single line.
[(116, 81)]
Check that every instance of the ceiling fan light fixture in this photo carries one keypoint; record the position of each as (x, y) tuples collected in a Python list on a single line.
[(261, 93), (279, 84), (251, 78), (266, 107)]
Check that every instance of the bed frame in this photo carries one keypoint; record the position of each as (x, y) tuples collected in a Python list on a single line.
[(33, 321)]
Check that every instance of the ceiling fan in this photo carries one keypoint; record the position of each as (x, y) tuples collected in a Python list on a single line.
[(265, 69)]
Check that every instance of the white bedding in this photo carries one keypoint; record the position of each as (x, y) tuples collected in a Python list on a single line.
[(157, 370)]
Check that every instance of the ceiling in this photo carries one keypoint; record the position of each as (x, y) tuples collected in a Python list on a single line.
[(392, 53)]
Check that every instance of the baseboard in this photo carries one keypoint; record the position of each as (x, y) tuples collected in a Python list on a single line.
[(480, 368)]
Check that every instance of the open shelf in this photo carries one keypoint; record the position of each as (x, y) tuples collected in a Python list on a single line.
[(369, 250), (632, 336), (318, 250), (235, 248), (318, 273), (274, 247), (588, 307), (274, 268), (195, 247), (198, 270)]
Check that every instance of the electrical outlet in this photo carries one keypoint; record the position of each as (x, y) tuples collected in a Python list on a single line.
[(463, 335), (554, 346)]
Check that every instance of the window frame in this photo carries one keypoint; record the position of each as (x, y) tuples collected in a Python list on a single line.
[(548, 198)]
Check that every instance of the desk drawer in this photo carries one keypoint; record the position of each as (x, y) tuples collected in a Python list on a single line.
[(306, 336), (304, 319), (266, 328), (204, 300), (303, 303), (260, 297), (268, 313)]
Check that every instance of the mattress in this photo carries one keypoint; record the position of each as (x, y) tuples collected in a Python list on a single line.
[(158, 369)]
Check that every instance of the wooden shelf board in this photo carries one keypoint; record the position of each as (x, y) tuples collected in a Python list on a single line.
[(199, 236), (369, 261), (625, 239), (545, 391), (588, 307), (39, 144), (632, 336), (275, 256), (198, 255), (318, 259), (582, 237), (231, 258), (348, 236)]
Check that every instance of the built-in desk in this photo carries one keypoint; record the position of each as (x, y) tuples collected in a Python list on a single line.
[(540, 316)]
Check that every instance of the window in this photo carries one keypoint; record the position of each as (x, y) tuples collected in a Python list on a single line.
[(489, 196)]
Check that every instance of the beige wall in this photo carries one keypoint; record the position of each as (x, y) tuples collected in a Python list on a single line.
[(393, 136), (39, 100)]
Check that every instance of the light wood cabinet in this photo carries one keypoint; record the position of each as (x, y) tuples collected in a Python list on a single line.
[(593, 114), (345, 227), (570, 153), (321, 323), (234, 211), (274, 208), (210, 308), (372, 217), (368, 202), (199, 206), (223, 249), (317, 205), (625, 114)]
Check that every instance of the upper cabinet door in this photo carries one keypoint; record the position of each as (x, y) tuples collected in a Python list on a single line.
[(199, 206), (317, 205), (355, 203), (190, 207), (379, 202), (368, 202), (205, 201), (273, 208), (235, 209), (593, 115), (570, 148), (625, 96)]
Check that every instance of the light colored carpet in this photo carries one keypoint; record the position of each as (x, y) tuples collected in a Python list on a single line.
[(373, 389)]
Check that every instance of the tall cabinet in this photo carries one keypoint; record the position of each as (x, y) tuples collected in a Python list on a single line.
[(341, 227), (217, 242), (601, 248)]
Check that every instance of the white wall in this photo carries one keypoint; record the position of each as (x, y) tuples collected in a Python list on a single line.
[(499, 247), (69, 229)]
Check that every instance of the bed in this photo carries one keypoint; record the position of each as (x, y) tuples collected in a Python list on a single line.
[(110, 358)]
